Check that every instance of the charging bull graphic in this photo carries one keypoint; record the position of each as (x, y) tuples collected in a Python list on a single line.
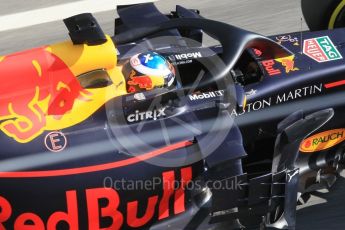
[(143, 82), (137, 83), (288, 63), (35, 84)]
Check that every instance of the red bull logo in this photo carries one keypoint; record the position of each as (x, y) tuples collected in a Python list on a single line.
[(269, 67), (273, 68), (142, 82), (35, 84), (288, 63)]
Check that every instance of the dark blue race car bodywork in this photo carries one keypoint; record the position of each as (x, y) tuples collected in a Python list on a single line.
[(167, 157)]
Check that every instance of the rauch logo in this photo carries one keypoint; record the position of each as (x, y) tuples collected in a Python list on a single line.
[(322, 141)]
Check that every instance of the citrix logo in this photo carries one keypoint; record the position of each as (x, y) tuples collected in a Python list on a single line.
[(147, 115)]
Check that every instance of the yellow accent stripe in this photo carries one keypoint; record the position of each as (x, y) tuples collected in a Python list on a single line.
[(2, 58), (244, 102), (62, 85), (37, 67), (34, 102), (335, 14)]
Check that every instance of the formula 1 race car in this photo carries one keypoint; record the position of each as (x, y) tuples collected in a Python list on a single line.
[(151, 129)]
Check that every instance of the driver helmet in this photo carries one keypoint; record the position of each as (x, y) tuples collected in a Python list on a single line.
[(148, 70)]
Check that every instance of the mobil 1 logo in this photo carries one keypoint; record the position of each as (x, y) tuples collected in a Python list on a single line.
[(321, 49), (206, 95)]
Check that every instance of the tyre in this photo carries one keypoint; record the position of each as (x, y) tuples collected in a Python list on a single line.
[(324, 14)]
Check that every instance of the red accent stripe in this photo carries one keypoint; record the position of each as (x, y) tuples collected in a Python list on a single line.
[(96, 168), (335, 84)]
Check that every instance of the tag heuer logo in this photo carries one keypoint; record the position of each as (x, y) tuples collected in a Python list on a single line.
[(321, 49)]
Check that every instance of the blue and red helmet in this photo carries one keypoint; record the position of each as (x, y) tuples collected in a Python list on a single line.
[(149, 70)]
